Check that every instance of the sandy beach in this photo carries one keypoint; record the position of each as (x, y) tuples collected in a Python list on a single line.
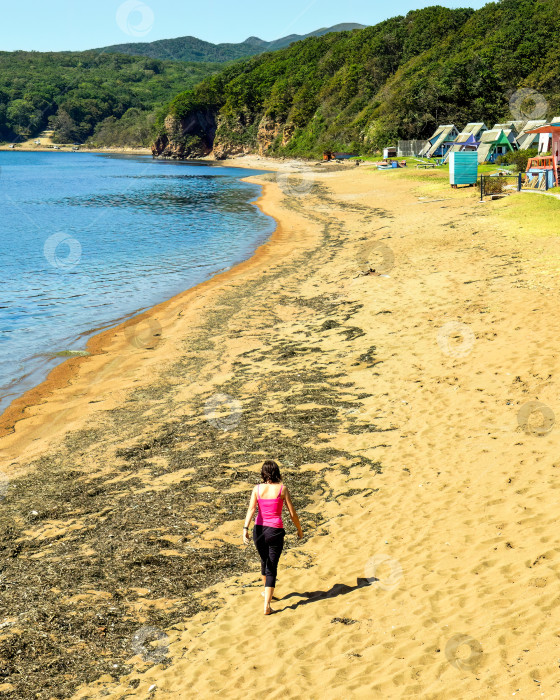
[(413, 413)]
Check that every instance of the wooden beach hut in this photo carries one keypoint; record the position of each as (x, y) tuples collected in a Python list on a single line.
[(468, 143), (475, 129), (493, 143), (545, 139), (440, 142), (468, 139), (525, 139), (511, 130), (553, 130)]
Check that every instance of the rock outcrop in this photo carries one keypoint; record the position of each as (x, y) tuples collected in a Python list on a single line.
[(191, 137), (267, 133), (202, 133)]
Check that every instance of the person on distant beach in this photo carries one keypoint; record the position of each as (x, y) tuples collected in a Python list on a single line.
[(268, 533)]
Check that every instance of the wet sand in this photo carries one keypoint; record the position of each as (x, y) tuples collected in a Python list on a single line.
[(399, 407)]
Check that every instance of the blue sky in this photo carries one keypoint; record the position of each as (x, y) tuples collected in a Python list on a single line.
[(59, 25)]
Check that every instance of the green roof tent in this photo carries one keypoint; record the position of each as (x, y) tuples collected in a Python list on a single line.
[(511, 130), (463, 168), (493, 143)]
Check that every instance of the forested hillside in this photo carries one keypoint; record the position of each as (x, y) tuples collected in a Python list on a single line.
[(76, 92), (360, 90)]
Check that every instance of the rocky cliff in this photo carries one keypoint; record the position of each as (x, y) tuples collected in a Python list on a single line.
[(189, 137), (204, 133)]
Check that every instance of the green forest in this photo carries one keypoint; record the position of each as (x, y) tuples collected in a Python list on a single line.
[(358, 91), (79, 94)]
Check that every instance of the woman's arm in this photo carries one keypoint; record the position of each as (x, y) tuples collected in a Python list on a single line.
[(250, 512), (293, 514)]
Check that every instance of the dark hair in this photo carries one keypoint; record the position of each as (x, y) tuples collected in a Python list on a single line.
[(270, 471)]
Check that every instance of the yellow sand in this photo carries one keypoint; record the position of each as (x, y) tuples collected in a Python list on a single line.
[(459, 528)]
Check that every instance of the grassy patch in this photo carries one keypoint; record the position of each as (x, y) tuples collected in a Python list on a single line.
[(532, 215)]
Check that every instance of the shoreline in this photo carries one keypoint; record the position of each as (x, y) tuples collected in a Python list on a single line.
[(100, 343), (68, 149)]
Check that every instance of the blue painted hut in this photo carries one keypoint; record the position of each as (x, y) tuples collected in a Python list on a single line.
[(440, 142)]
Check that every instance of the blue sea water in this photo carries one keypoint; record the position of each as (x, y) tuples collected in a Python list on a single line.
[(88, 240)]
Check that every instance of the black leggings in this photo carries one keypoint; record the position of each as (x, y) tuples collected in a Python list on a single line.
[(269, 542)]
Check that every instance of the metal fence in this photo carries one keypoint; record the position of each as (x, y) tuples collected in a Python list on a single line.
[(499, 184), (409, 148)]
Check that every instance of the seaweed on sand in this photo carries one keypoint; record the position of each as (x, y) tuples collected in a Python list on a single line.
[(103, 535)]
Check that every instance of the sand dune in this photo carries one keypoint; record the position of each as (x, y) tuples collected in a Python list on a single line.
[(429, 567)]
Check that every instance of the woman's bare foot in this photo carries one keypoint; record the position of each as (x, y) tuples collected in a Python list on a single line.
[(268, 610)]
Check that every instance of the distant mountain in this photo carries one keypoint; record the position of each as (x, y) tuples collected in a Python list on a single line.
[(189, 48)]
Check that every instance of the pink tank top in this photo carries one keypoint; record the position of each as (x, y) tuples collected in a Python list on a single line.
[(270, 510)]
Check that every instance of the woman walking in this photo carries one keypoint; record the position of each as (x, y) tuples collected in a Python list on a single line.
[(268, 533)]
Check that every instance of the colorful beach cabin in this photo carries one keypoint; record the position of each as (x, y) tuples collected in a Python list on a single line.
[(516, 126), (527, 140), (463, 143), (468, 139), (545, 139), (542, 173), (511, 130), (440, 142), (552, 130), (493, 143), (474, 130)]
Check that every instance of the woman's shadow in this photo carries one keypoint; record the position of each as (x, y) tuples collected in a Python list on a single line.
[(334, 592)]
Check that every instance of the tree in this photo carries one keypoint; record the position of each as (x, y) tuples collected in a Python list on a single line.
[(65, 128), (22, 117)]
